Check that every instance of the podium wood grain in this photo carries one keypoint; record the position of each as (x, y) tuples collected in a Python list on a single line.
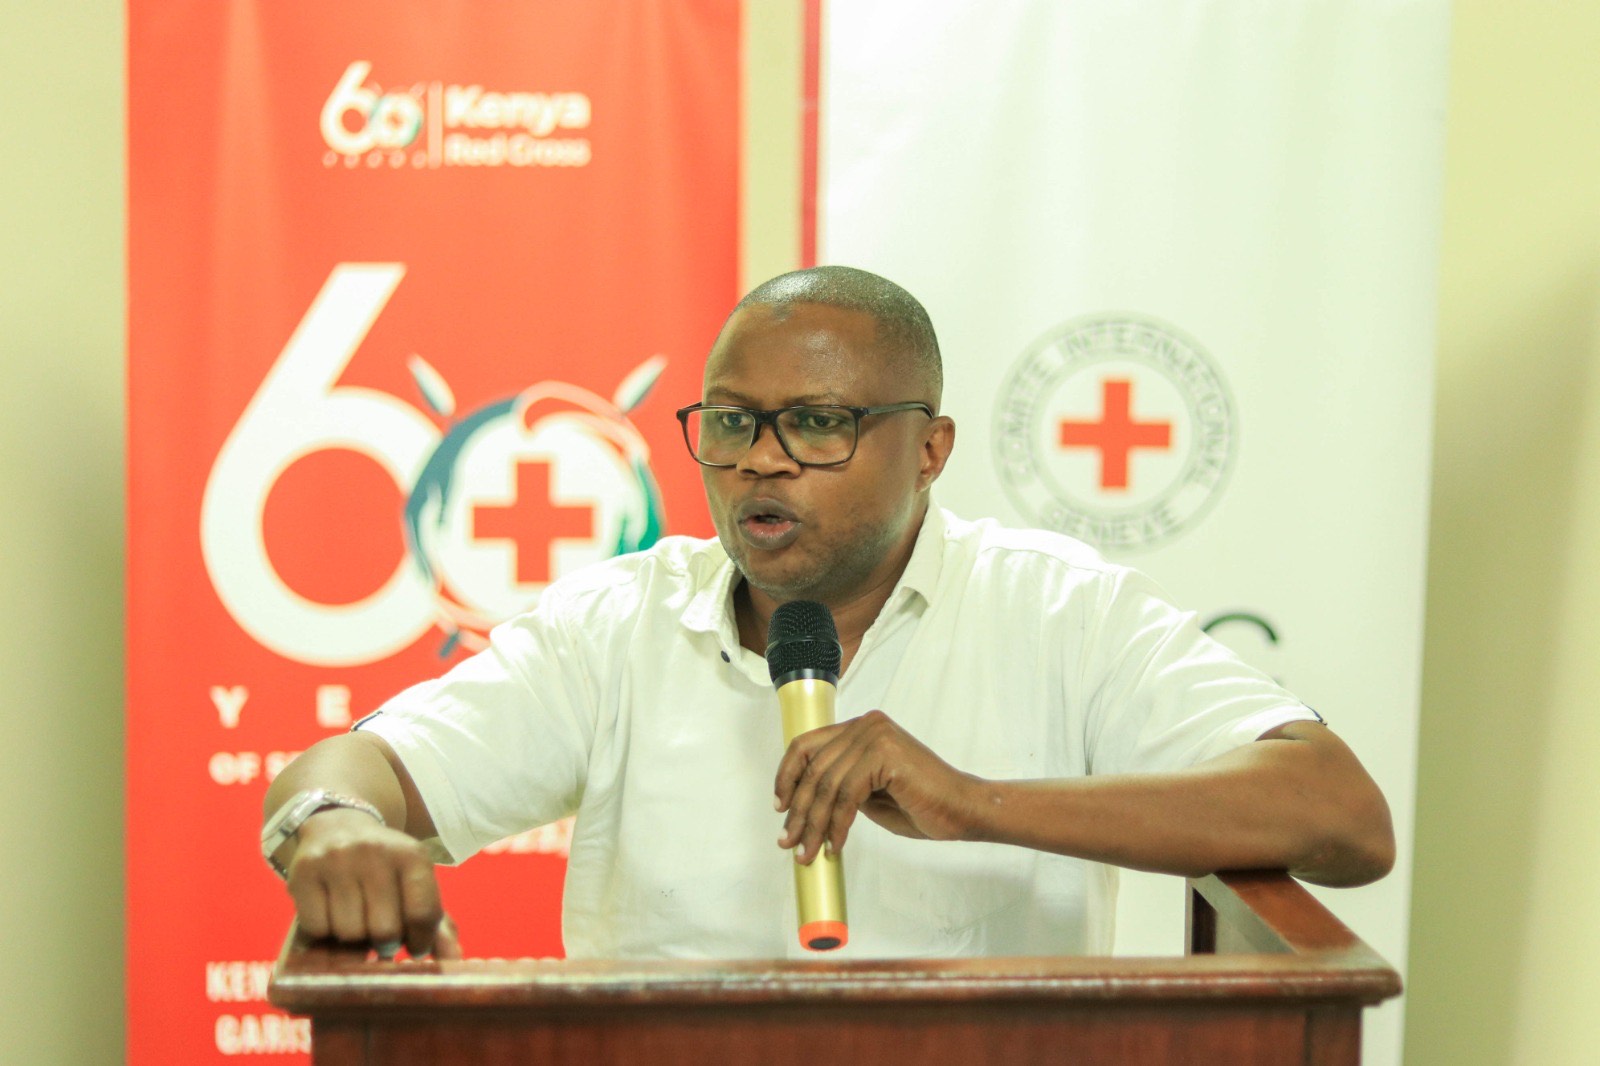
[(1271, 978)]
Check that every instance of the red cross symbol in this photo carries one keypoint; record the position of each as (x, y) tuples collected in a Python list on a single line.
[(531, 521), (1116, 434)]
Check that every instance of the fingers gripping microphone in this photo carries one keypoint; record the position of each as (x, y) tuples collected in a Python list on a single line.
[(803, 657)]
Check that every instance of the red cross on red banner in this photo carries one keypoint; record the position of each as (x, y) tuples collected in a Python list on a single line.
[(1116, 434), (532, 521)]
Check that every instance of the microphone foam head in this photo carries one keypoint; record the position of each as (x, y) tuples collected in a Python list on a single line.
[(802, 636)]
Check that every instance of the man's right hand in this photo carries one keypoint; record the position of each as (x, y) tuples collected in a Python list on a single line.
[(355, 880)]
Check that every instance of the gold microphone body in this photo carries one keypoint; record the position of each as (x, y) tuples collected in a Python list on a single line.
[(804, 659), (807, 704)]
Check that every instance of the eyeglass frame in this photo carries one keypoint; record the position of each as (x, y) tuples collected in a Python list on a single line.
[(764, 418)]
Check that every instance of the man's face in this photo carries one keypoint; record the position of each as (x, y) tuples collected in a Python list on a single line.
[(821, 533)]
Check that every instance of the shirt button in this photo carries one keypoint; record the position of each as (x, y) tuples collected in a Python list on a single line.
[(725, 658)]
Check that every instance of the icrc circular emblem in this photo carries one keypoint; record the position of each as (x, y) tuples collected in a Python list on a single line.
[(1117, 429)]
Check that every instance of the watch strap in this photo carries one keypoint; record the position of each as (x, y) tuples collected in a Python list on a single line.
[(288, 818)]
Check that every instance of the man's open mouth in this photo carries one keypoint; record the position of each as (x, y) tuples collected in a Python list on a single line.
[(767, 524)]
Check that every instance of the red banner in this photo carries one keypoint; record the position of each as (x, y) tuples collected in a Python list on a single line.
[(414, 290)]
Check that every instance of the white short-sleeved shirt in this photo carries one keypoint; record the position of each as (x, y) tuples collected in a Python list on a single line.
[(625, 698)]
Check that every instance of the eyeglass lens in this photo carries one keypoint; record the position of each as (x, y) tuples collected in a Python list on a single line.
[(721, 435)]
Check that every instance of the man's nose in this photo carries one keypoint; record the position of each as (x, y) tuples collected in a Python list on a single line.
[(766, 455)]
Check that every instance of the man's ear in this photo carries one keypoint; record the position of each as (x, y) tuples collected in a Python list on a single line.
[(938, 440)]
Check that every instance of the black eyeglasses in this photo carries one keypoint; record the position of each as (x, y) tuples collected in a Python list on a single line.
[(811, 434)]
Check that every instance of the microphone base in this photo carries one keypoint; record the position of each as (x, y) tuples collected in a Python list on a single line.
[(824, 935)]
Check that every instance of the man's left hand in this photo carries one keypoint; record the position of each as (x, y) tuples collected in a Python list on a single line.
[(870, 765)]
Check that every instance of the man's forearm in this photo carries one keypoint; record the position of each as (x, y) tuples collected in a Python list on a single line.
[(1300, 801), (351, 878), (359, 765)]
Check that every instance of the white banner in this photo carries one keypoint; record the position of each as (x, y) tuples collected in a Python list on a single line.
[(1181, 257)]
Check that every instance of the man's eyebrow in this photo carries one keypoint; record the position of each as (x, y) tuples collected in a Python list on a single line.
[(717, 395)]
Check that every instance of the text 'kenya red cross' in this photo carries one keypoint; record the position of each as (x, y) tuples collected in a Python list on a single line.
[(532, 521), (1116, 434)]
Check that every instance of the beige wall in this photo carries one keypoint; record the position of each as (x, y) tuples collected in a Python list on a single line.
[(1505, 948), (61, 340), (1506, 923)]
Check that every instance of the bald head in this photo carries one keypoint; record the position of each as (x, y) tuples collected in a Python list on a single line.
[(904, 332)]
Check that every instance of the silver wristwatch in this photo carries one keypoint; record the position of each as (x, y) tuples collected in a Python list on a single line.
[(287, 820)]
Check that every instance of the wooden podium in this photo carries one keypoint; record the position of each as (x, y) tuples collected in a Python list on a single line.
[(1271, 977)]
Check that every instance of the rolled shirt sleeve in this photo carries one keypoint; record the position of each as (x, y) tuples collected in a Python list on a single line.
[(501, 742), (1162, 694)]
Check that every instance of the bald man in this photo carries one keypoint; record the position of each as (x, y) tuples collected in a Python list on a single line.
[(1017, 716)]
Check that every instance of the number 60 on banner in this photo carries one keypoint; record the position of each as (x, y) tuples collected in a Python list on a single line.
[(299, 410)]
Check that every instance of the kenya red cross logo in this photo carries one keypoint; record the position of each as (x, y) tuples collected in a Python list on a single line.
[(524, 489), (532, 521), (1116, 434)]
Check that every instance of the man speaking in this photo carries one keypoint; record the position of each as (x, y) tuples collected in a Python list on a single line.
[(1016, 716)]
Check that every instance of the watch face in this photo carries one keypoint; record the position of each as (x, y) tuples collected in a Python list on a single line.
[(288, 818), (293, 814)]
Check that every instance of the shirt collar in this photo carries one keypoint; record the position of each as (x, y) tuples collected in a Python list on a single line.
[(927, 560), (710, 607)]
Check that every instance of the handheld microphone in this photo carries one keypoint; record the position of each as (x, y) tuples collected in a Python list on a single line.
[(803, 656)]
